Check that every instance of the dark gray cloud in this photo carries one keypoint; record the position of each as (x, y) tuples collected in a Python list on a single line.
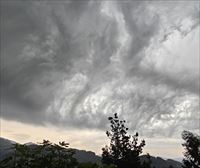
[(74, 63)]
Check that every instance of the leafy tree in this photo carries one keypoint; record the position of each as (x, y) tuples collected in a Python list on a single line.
[(44, 155), (192, 150), (124, 149), (88, 165), (64, 156), (94, 165), (19, 159)]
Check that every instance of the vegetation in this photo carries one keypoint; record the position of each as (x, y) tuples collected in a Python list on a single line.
[(94, 165), (124, 149), (122, 152), (147, 164), (192, 150), (44, 155)]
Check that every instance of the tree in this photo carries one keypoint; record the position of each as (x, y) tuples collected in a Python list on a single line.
[(94, 165), (148, 163), (44, 155), (192, 150), (124, 149), (21, 157)]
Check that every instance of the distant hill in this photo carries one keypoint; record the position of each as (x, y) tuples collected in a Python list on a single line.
[(80, 155), (179, 159), (88, 156), (5, 143), (159, 162), (5, 146)]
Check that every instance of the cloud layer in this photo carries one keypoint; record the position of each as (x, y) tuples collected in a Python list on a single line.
[(72, 64)]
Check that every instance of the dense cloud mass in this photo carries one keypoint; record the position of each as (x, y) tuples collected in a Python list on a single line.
[(72, 64)]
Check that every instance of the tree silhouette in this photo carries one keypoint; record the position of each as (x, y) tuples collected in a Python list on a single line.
[(44, 155), (124, 149), (192, 150), (94, 165), (148, 163)]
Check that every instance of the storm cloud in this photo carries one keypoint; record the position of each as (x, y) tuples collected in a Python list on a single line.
[(72, 64)]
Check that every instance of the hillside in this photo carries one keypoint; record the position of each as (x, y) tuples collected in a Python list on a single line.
[(5, 146), (159, 162), (80, 155), (88, 156)]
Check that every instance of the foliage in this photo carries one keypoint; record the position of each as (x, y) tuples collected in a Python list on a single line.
[(44, 155), (88, 165), (124, 149), (192, 150), (148, 163), (94, 165)]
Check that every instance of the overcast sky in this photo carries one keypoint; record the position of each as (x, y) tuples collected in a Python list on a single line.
[(70, 65)]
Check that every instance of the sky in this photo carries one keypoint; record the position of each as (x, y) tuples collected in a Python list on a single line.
[(66, 66)]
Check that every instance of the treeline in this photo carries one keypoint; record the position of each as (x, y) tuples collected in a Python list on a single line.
[(45, 155), (124, 149), (122, 152)]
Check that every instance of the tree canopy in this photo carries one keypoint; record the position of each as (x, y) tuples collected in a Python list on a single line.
[(192, 150), (43, 155), (124, 149)]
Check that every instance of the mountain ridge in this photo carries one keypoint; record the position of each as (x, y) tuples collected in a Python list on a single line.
[(88, 156)]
